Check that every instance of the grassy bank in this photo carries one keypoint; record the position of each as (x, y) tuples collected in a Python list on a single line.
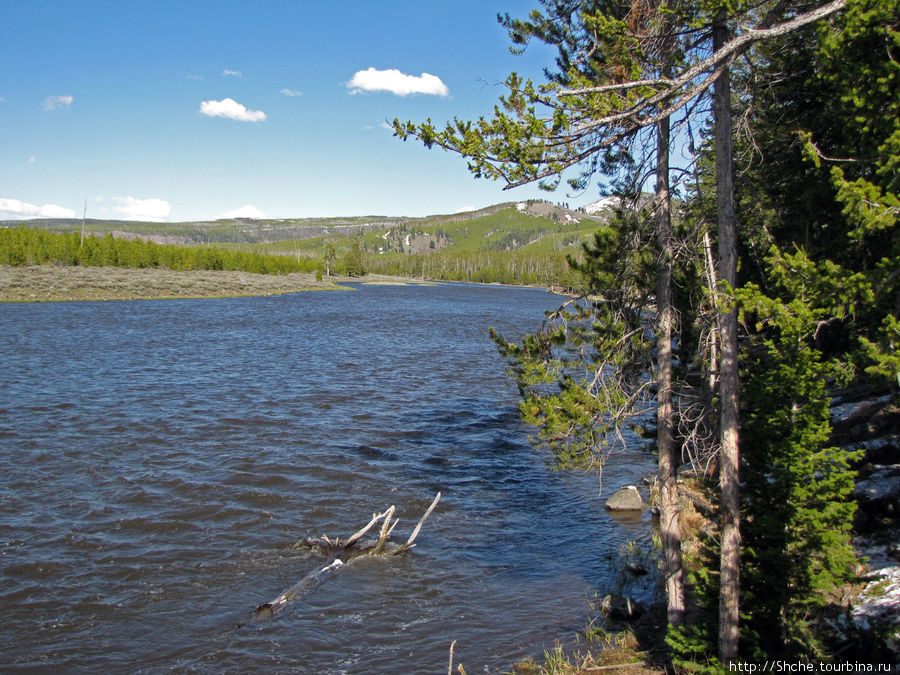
[(41, 283)]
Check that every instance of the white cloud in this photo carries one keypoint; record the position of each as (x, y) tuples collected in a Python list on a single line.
[(291, 92), (465, 209), (381, 125), (31, 160), (248, 211), (396, 82), (142, 209), (195, 77), (57, 102), (232, 73), (231, 109), (13, 209)]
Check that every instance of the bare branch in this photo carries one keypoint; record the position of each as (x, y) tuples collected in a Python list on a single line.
[(726, 53), (356, 537), (334, 546), (623, 86), (415, 532)]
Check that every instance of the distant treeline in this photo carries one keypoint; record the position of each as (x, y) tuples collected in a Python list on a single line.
[(22, 245), (500, 267)]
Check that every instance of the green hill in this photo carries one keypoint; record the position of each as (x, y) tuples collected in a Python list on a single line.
[(534, 224), (523, 242)]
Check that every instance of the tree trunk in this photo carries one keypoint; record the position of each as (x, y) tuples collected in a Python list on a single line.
[(729, 569), (713, 377), (670, 526)]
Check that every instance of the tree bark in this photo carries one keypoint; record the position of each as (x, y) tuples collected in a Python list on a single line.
[(729, 569), (670, 526), (712, 283)]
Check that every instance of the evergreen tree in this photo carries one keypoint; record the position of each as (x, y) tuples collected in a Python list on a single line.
[(353, 264), (825, 285), (797, 490)]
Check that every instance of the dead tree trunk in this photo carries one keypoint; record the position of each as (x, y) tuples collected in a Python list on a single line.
[(670, 528), (729, 568)]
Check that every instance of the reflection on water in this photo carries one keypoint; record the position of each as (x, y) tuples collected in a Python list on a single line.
[(159, 460)]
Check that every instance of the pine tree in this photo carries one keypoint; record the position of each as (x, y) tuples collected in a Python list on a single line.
[(353, 264), (797, 489)]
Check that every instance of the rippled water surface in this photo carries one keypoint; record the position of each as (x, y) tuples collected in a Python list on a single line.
[(159, 461)]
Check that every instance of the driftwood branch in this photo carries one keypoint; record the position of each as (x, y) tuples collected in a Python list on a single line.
[(598, 669), (269, 609), (356, 537), (415, 533), (340, 553), (450, 667)]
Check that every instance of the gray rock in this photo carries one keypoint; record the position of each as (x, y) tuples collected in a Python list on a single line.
[(884, 482), (626, 499)]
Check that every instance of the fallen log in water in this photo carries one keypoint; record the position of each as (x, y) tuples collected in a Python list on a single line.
[(340, 552)]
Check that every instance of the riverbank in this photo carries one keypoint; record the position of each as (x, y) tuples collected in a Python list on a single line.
[(53, 283), (859, 621), (57, 283)]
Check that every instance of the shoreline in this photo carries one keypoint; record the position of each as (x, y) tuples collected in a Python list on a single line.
[(59, 283)]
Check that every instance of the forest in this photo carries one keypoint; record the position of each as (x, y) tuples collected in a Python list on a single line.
[(760, 285), (22, 245), (472, 258)]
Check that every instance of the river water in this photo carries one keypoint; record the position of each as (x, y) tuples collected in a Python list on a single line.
[(159, 461)]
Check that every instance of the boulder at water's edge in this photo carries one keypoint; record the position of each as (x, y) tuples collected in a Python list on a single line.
[(626, 499)]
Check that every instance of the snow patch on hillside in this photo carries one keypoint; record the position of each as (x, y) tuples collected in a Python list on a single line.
[(604, 204)]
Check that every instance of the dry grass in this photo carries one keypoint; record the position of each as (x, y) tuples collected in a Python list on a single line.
[(606, 652), (53, 283)]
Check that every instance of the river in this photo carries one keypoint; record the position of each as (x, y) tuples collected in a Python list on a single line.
[(159, 461)]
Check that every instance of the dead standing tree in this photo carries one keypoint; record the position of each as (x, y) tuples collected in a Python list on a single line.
[(339, 553)]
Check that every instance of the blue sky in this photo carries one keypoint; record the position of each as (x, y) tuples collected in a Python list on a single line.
[(199, 110)]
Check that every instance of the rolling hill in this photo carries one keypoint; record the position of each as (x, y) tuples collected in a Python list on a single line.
[(535, 225), (511, 243)]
